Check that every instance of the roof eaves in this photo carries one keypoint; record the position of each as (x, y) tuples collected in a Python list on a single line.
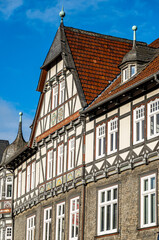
[(152, 76)]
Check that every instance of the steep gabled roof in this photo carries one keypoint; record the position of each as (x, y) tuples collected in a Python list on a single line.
[(94, 57)]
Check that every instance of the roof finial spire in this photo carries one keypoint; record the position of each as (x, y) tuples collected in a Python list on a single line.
[(20, 118), (62, 14), (134, 28)]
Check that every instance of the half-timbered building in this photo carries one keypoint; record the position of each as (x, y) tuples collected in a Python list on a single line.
[(90, 169)]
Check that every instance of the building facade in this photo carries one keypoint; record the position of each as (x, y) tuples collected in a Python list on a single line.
[(90, 168)]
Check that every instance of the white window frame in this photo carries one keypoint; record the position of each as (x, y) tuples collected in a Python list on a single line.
[(132, 65), (8, 233), (30, 233), (60, 218), (113, 131), (28, 178), (71, 153), (100, 138), (49, 164), (125, 74), (47, 223), (55, 97), (33, 166), (104, 205), (11, 184), (148, 193), (139, 118), (153, 111), (60, 159), (19, 183), (74, 212), (62, 92)]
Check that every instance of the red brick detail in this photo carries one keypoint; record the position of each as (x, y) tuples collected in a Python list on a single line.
[(58, 126)]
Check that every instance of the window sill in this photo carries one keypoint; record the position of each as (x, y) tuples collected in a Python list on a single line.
[(136, 143), (147, 228), (152, 136), (106, 235), (111, 153), (99, 157)]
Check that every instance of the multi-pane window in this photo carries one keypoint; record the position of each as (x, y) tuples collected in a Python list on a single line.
[(47, 224), (62, 92), (132, 70), (28, 178), (33, 175), (30, 228), (74, 218), (125, 74), (153, 118), (8, 233), (139, 119), (71, 153), (60, 159), (55, 97), (9, 187), (49, 164), (100, 141), (148, 201), (107, 210), (19, 184), (60, 219), (112, 135)]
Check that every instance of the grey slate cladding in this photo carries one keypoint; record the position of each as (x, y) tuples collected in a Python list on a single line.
[(3, 145)]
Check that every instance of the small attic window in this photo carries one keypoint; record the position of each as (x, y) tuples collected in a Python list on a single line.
[(132, 70), (125, 74), (128, 72)]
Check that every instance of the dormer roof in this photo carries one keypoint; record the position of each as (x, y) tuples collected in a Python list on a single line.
[(139, 53)]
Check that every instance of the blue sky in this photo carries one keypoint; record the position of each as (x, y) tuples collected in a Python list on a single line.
[(27, 29)]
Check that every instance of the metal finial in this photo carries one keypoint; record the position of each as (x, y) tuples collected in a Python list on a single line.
[(20, 114), (62, 14), (134, 28)]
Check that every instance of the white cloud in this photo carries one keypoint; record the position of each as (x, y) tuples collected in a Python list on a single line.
[(48, 15), (7, 7), (9, 121), (52, 13)]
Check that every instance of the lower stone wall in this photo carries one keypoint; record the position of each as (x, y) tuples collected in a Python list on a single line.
[(128, 205), (20, 221), (128, 209)]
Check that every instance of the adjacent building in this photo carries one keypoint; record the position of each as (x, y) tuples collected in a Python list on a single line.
[(90, 168)]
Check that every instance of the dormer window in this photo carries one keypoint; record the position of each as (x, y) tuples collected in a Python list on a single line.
[(132, 70), (128, 72), (125, 74)]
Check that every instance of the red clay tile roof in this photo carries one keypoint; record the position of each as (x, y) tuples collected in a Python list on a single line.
[(155, 44), (116, 86), (96, 58)]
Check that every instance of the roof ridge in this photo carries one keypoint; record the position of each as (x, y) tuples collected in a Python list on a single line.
[(77, 30)]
